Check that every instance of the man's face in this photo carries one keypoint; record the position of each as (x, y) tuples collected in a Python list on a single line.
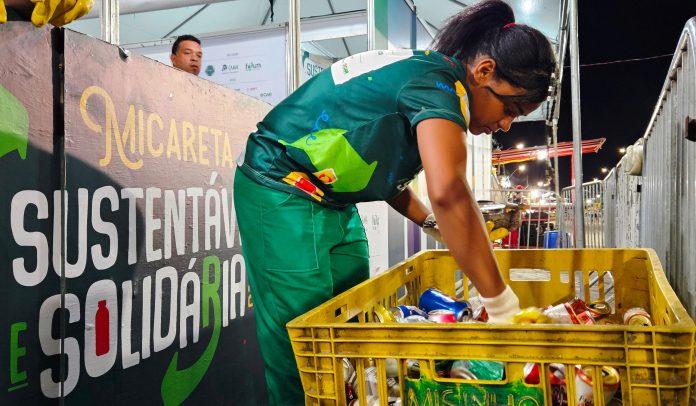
[(188, 57)]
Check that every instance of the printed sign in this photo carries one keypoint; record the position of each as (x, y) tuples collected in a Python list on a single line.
[(120, 239)]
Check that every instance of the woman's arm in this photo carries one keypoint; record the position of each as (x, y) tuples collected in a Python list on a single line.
[(410, 206), (444, 155)]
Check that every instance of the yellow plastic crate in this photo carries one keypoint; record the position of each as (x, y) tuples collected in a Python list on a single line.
[(656, 364)]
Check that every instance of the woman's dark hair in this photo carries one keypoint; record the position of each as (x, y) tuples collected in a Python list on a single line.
[(524, 57)]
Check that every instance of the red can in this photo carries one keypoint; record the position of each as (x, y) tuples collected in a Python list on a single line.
[(578, 305), (442, 316), (585, 318)]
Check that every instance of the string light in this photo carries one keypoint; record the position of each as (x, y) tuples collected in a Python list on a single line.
[(622, 61)]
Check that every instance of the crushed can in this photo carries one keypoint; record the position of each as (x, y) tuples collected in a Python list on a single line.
[(559, 393), (561, 313), (416, 319), (583, 384), (404, 311), (637, 316), (382, 315), (413, 369), (531, 373), (599, 309), (585, 318), (442, 316), (433, 299), (478, 310)]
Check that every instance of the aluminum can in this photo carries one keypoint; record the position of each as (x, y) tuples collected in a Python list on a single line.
[(382, 315), (413, 369), (559, 396), (348, 371), (531, 373), (416, 319), (637, 316), (577, 305), (403, 311), (599, 309), (561, 313), (433, 299), (480, 314), (585, 318), (583, 384), (442, 316)]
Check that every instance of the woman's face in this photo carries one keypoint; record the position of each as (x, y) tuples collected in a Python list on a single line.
[(489, 109)]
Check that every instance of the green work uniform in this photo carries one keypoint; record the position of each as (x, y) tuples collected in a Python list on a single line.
[(346, 136)]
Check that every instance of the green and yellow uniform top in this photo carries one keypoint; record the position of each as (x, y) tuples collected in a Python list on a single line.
[(348, 135)]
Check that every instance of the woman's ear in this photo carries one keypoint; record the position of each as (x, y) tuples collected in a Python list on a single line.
[(483, 70)]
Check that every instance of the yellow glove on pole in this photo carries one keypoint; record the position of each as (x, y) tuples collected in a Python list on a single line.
[(59, 12), (3, 12), (495, 234)]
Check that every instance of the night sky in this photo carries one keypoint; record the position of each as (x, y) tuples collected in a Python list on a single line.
[(617, 100)]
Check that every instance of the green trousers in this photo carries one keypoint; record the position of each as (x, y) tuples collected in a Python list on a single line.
[(298, 255)]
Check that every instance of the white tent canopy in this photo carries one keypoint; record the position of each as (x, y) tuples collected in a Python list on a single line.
[(142, 21)]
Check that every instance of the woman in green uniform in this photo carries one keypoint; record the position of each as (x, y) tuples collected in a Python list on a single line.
[(361, 131)]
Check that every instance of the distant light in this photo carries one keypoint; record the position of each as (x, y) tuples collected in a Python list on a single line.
[(535, 194), (519, 146), (522, 168), (605, 170), (622, 150), (527, 6), (595, 180), (588, 201), (598, 196), (540, 183), (542, 154)]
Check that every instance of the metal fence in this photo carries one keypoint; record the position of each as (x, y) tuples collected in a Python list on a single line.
[(539, 216), (593, 214), (621, 203), (657, 209)]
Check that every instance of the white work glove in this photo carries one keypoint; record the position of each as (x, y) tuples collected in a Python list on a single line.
[(429, 227), (503, 307)]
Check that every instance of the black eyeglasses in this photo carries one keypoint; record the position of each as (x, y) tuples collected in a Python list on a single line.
[(513, 111)]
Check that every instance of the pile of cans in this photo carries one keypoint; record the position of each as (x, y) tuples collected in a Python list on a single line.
[(577, 311), (584, 396), (434, 306), (352, 388)]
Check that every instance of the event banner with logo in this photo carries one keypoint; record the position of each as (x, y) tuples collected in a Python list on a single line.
[(124, 282), (29, 166)]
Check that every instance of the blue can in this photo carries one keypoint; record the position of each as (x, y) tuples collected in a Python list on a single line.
[(433, 299), (403, 311)]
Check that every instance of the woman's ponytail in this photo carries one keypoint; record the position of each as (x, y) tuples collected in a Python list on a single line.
[(523, 55)]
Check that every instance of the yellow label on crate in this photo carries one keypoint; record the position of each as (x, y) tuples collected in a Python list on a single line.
[(423, 392)]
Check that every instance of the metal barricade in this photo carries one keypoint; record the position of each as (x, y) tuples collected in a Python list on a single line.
[(657, 209), (539, 216), (669, 173), (621, 199), (593, 213)]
